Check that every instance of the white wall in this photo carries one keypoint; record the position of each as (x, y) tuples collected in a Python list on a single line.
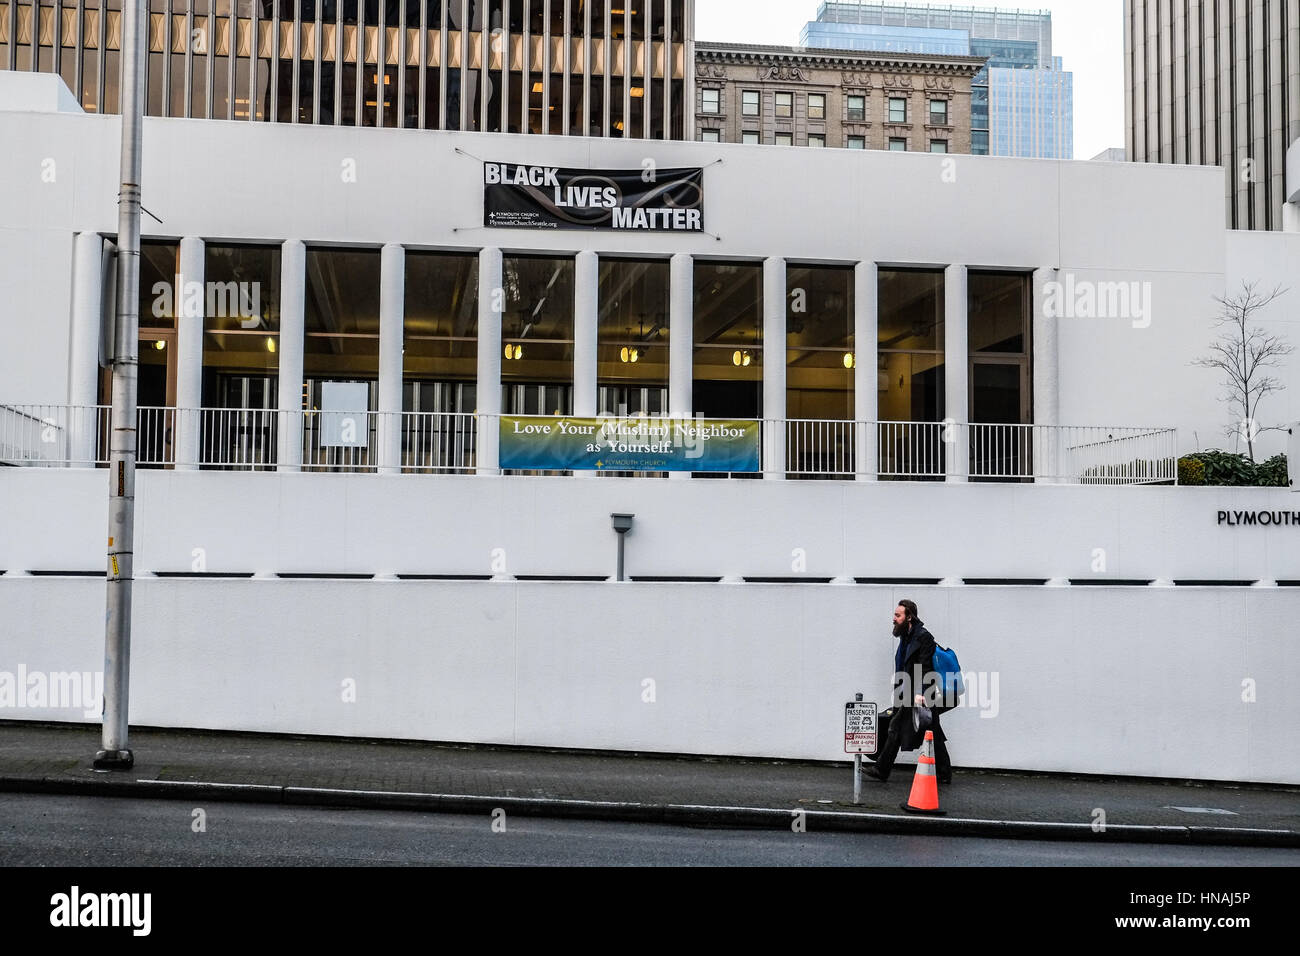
[(54, 520), (1102, 222), (741, 668), (1269, 260), (37, 93), (1130, 681)]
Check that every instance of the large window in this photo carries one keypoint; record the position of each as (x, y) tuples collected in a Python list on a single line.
[(632, 337), (157, 308), (710, 136), (911, 347), (341, 316), (819, 342), (816, 106), (241, 354), (857, 104), (938, 146), (710, 101), (341, 356), (816, 139), (537, 335), (439, 360), (819, 369), (784, 105), (784, 139), (897, 109), (440, 332), (898, 144), (749, 103), (241, 326), (999, 309), (749, 136), (857, 142), (728, 366), (939, 112)]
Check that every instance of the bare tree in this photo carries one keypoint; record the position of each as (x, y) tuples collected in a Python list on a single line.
[(1242, 353)]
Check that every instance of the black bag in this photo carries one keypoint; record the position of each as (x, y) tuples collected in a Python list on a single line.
[(882, 730)]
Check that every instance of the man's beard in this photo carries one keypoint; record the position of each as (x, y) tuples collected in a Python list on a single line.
[(900, 629)]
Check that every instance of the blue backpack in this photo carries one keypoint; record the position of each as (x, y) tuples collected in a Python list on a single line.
[(949, 671)]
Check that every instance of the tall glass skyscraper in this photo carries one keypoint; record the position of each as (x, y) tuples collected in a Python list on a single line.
[(1022, 102)]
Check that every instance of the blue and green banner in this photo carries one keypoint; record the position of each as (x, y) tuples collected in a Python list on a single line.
[(555, 443)]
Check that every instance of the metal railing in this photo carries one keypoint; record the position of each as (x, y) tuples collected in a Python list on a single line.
[(915, 450), (1119, 456), (240, 439), (817, 447), (439, 442), (448, 443), (57, 436)]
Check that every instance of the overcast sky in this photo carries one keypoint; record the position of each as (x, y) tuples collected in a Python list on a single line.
[(1088, 34)]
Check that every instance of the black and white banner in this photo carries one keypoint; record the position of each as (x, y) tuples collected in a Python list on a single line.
[(553, 197)]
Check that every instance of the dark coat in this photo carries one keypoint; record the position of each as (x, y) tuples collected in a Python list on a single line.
[(914, 658)]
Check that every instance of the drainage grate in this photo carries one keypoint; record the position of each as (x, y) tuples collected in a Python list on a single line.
[(907, 582)]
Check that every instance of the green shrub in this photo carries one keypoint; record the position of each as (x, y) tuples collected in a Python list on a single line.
[(1272, 473), (1225, 468), (1190, 471)]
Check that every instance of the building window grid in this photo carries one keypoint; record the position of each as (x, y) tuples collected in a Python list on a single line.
[(302, 80)]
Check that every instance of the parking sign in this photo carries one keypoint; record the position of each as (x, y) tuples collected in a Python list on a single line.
[(860, 727)]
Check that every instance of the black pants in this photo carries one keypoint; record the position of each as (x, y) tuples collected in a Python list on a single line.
[(942, 763)]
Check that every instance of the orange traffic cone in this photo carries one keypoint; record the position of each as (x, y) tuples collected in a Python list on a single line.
[(924, 797)]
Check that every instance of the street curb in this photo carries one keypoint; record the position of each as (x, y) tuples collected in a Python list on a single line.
[(688, 815)]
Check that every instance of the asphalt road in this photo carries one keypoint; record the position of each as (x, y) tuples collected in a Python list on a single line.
[(46, 830)]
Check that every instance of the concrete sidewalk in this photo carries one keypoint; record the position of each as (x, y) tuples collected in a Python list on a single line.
[(697, 791)]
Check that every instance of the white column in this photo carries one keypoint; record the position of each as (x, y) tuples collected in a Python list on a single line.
[(956, 369), (586, 289), (189, 355), (392, 314), (491, 301), (681, 341), (866, 317), (83, 370), (1046, 384), (774, 367), (1291, 217), (293, 279), (586, 321)]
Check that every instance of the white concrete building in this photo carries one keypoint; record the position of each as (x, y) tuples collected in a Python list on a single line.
[(1033, 325)]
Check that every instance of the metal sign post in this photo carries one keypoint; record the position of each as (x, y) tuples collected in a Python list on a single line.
[(860, 736)]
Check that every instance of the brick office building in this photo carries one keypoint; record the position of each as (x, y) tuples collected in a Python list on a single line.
[(786, 96)]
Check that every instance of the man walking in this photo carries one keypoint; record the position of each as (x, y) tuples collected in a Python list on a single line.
[(913, 668)]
